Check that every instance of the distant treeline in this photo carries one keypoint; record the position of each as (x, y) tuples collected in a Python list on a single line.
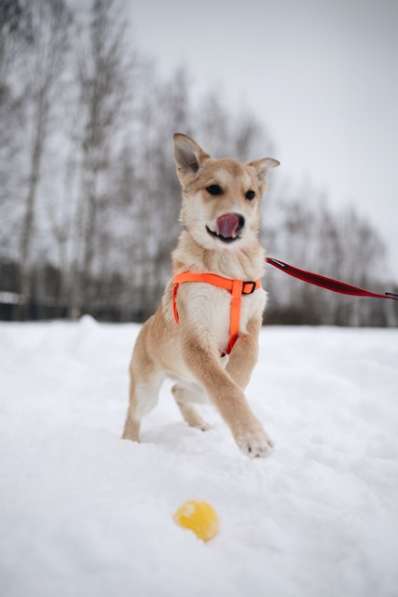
[(89, 200)]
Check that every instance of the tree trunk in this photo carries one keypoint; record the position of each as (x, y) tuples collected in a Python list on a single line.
[(29, 217)]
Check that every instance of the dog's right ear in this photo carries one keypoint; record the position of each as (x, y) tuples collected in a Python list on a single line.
[(189, 156)]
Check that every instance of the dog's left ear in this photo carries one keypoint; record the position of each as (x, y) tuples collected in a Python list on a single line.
[(189, 156), (262, 167)]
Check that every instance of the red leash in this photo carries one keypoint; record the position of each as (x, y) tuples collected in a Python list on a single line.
[(327, 283)]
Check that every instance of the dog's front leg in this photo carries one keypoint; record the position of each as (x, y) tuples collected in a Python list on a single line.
[(200, 355)]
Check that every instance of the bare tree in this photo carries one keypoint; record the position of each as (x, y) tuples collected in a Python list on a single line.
[(50, 20), (15, 39), (103, 66)]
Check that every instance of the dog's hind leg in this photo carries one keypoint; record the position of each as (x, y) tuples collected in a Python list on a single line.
[(143, 398), (132, 424), (183, 397), (145, 382)]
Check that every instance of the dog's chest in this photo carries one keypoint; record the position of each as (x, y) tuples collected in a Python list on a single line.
[(208, 309)]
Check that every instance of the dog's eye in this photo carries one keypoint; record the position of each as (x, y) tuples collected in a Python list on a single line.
[(214, 189), (250, 195)]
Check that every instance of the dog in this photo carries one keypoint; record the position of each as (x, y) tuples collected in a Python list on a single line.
[(186, 339)]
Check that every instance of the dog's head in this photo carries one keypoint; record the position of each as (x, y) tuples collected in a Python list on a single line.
[(221, 198)]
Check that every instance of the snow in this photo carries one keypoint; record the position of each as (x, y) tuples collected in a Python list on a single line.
[(11, 298), (84, 513)]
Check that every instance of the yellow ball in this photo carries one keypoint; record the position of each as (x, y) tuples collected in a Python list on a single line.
[(199, 517)]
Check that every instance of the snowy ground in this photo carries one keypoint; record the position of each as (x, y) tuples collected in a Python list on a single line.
[(83, 513)]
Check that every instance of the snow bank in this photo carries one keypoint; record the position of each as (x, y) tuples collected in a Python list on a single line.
[(85, 514)]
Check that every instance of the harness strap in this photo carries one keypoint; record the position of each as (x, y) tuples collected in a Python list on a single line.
[(237, 288), (234, 318)]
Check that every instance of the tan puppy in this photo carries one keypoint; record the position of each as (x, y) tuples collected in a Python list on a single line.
[(221, 218)]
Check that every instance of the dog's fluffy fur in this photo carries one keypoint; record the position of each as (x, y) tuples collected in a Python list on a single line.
[(189, 353)]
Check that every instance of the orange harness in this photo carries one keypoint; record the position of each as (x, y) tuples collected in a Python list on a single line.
[(237, 288)]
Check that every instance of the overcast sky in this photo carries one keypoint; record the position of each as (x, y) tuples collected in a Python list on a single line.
[(322, 75)]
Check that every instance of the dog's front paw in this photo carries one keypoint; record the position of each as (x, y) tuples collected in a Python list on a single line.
[(254, 443)]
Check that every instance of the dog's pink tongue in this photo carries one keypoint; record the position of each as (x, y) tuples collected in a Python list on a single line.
[(228, 225)]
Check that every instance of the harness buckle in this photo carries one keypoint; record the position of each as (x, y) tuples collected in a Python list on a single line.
[(248, 287)]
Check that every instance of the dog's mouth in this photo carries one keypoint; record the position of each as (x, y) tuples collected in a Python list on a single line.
[(228, 227)]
